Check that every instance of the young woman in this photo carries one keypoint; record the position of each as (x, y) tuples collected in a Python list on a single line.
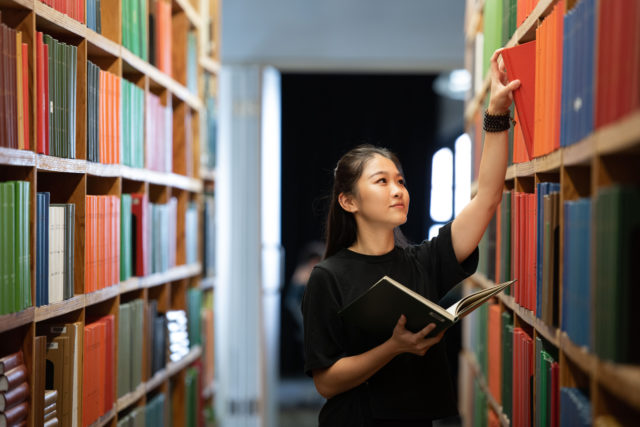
[(404, 380)]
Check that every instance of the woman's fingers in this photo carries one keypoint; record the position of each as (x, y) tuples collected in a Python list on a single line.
[(426, 330)]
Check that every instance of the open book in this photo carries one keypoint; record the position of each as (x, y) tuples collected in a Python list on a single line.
[(377, 310)]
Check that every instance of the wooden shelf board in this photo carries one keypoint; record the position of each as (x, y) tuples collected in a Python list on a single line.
[(15, 320), (623, 135), (184, 182), (107, 171), (176, 273), (622, 381), (191, 13), (50, 20), (131, 284), (12, 4), (578, 355), (99, 45), (525, 169), (208, 283), (207, 174), (511, 172), (135, 174), (183, 94), (130, 398), (101, 295), (579, 153), (175, 367), (58, 164), (140, 65), (105, 418), (13, 157), (548, 163), (156, 380), (210, 65), (526, 31), (59, 308)]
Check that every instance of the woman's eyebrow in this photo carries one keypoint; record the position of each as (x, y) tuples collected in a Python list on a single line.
[(384, 173)]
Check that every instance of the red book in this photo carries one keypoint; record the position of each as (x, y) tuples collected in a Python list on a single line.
[(498, 267), (520, 64), (533, 253), (116, 240), (86, 378), (13, 378), (14, 396), (557, 102), (87, 246), (100, 367), (25, 93), (139, 210), (15, 415), (109, 384)]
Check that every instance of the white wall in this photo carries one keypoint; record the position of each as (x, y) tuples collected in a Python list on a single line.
[(344, 35)]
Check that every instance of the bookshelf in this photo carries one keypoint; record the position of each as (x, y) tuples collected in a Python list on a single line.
[(194, 52), (605, 159)]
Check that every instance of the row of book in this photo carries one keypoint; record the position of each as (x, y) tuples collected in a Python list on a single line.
[(55, 240), (104, 106), (102, 242), (134, 27), (130, 341), (74, 9), (14, 89), (15, 266), (56, 70), (526, 246), (94, 15)]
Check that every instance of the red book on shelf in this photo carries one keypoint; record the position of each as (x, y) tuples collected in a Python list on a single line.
[(87, 377), (15, 415), (102, 113), (498, 246), (520, 64), (495, 351), (533, 253), (109, 384), (139, 210), (87, 245), (102, 257), (100, 367), (116, 239), (118, 114), (557, 72), (25, 93)]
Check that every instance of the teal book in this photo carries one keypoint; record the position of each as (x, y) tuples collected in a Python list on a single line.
[(194, 323), (124, 349), (10, 243)]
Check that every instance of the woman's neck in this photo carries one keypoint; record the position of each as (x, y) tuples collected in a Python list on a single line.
[(373, 242)]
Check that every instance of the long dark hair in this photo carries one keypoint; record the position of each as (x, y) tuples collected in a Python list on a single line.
[(341, 227)]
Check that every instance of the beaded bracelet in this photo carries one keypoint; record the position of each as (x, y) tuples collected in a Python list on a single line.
[(496, 123)]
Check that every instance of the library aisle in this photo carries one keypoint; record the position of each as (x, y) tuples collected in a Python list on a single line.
[(561, 347), (107, 159)]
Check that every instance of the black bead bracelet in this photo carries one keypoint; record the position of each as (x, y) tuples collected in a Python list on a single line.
[(496, 123)]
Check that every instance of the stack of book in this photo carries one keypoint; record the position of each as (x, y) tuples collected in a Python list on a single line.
[(159, 135), (156, 339), (178, 334), (130, 330), (55, 238), (50, 408), (134, 27), (14, 89), (14, 390), (102, 242), (15, 265), (163, 236), (56, 73), (98, 389), (74, 9), (575, 408), (576, 284), (94, 15), (63, 364)]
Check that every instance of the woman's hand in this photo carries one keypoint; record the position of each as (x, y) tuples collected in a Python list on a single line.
[(501, 89), (405, 341)]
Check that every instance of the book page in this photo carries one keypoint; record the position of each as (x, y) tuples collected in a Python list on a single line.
[(470, 302)]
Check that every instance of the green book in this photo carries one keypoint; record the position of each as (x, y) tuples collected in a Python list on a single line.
[(19, 252), (492, 31), (545, 381), (143, 30), (194, 323), (4, 242), (124, 349), (137, 324), (25, 187), (125, 237), (134, 10), (191, 407), (507, 362), (10, 255)]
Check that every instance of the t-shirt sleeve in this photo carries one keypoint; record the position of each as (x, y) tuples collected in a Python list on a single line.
[(323, 331), (439, 259)]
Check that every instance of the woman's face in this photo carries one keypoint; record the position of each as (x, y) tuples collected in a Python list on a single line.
[(381, 197)]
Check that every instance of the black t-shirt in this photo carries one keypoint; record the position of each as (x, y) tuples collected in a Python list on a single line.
[(409, 387)]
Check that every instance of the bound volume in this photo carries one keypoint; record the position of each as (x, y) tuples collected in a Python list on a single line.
[(377, 310)]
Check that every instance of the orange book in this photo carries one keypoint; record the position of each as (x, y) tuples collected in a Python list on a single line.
[(558, 72), (101, 242), (87, 244), (118, 117), (86, 378), (102, 136), (498, 246), (109, 118), (116, 239), (25, 93), (539, 87), (533, 254), (100, 367), (520, 64), (109, 345), (495, 352)]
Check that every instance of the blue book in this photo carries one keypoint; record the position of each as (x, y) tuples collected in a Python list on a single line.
[(42, 257)]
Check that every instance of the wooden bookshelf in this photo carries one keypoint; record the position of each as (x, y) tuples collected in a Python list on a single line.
[(71, 180)]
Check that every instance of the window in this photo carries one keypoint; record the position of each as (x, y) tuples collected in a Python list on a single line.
[(450, 187)]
